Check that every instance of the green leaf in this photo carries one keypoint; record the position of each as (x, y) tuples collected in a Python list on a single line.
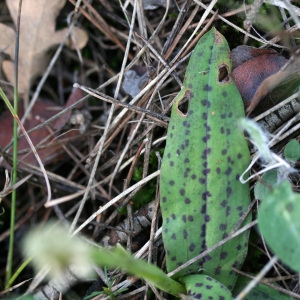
[(278, 220), (201, 197), (268, 180), (292, 151), (119, 258), (205, 287)]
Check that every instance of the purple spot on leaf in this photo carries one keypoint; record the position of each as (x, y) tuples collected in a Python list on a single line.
[(229, 160), (240, 208), (218, 270), (206, 138), (207, 88), (207, 258), (187, 201), (236, 264), (192, 247), (224, 235), (228, 210), (186, 172), (206, 172), (228, 171), (203, 229), (207, 127), (229, 191), (223, 227), (185, 234), (190, 218), (205, 195), (205, 103), (202, 180), (207, 218), (224, 203), (203, 246), (205, 153)]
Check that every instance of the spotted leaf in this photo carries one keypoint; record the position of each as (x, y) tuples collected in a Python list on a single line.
[(202, 198), (205, 287)]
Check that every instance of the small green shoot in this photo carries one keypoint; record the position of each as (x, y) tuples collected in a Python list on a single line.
[(108, 291)]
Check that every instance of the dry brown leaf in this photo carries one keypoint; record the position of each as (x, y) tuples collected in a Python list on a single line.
[(261, 79), (47, 139), (37, 36), (249, 75), (288, 76)]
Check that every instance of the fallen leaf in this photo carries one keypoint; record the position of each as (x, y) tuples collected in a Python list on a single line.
[(61, 121), (47, 139), (251, 67), (244, 53), (37, 36), (249, 76), (133, 82), (279, 85)]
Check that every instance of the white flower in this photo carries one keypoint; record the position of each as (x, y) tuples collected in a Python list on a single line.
[(51, 246)]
